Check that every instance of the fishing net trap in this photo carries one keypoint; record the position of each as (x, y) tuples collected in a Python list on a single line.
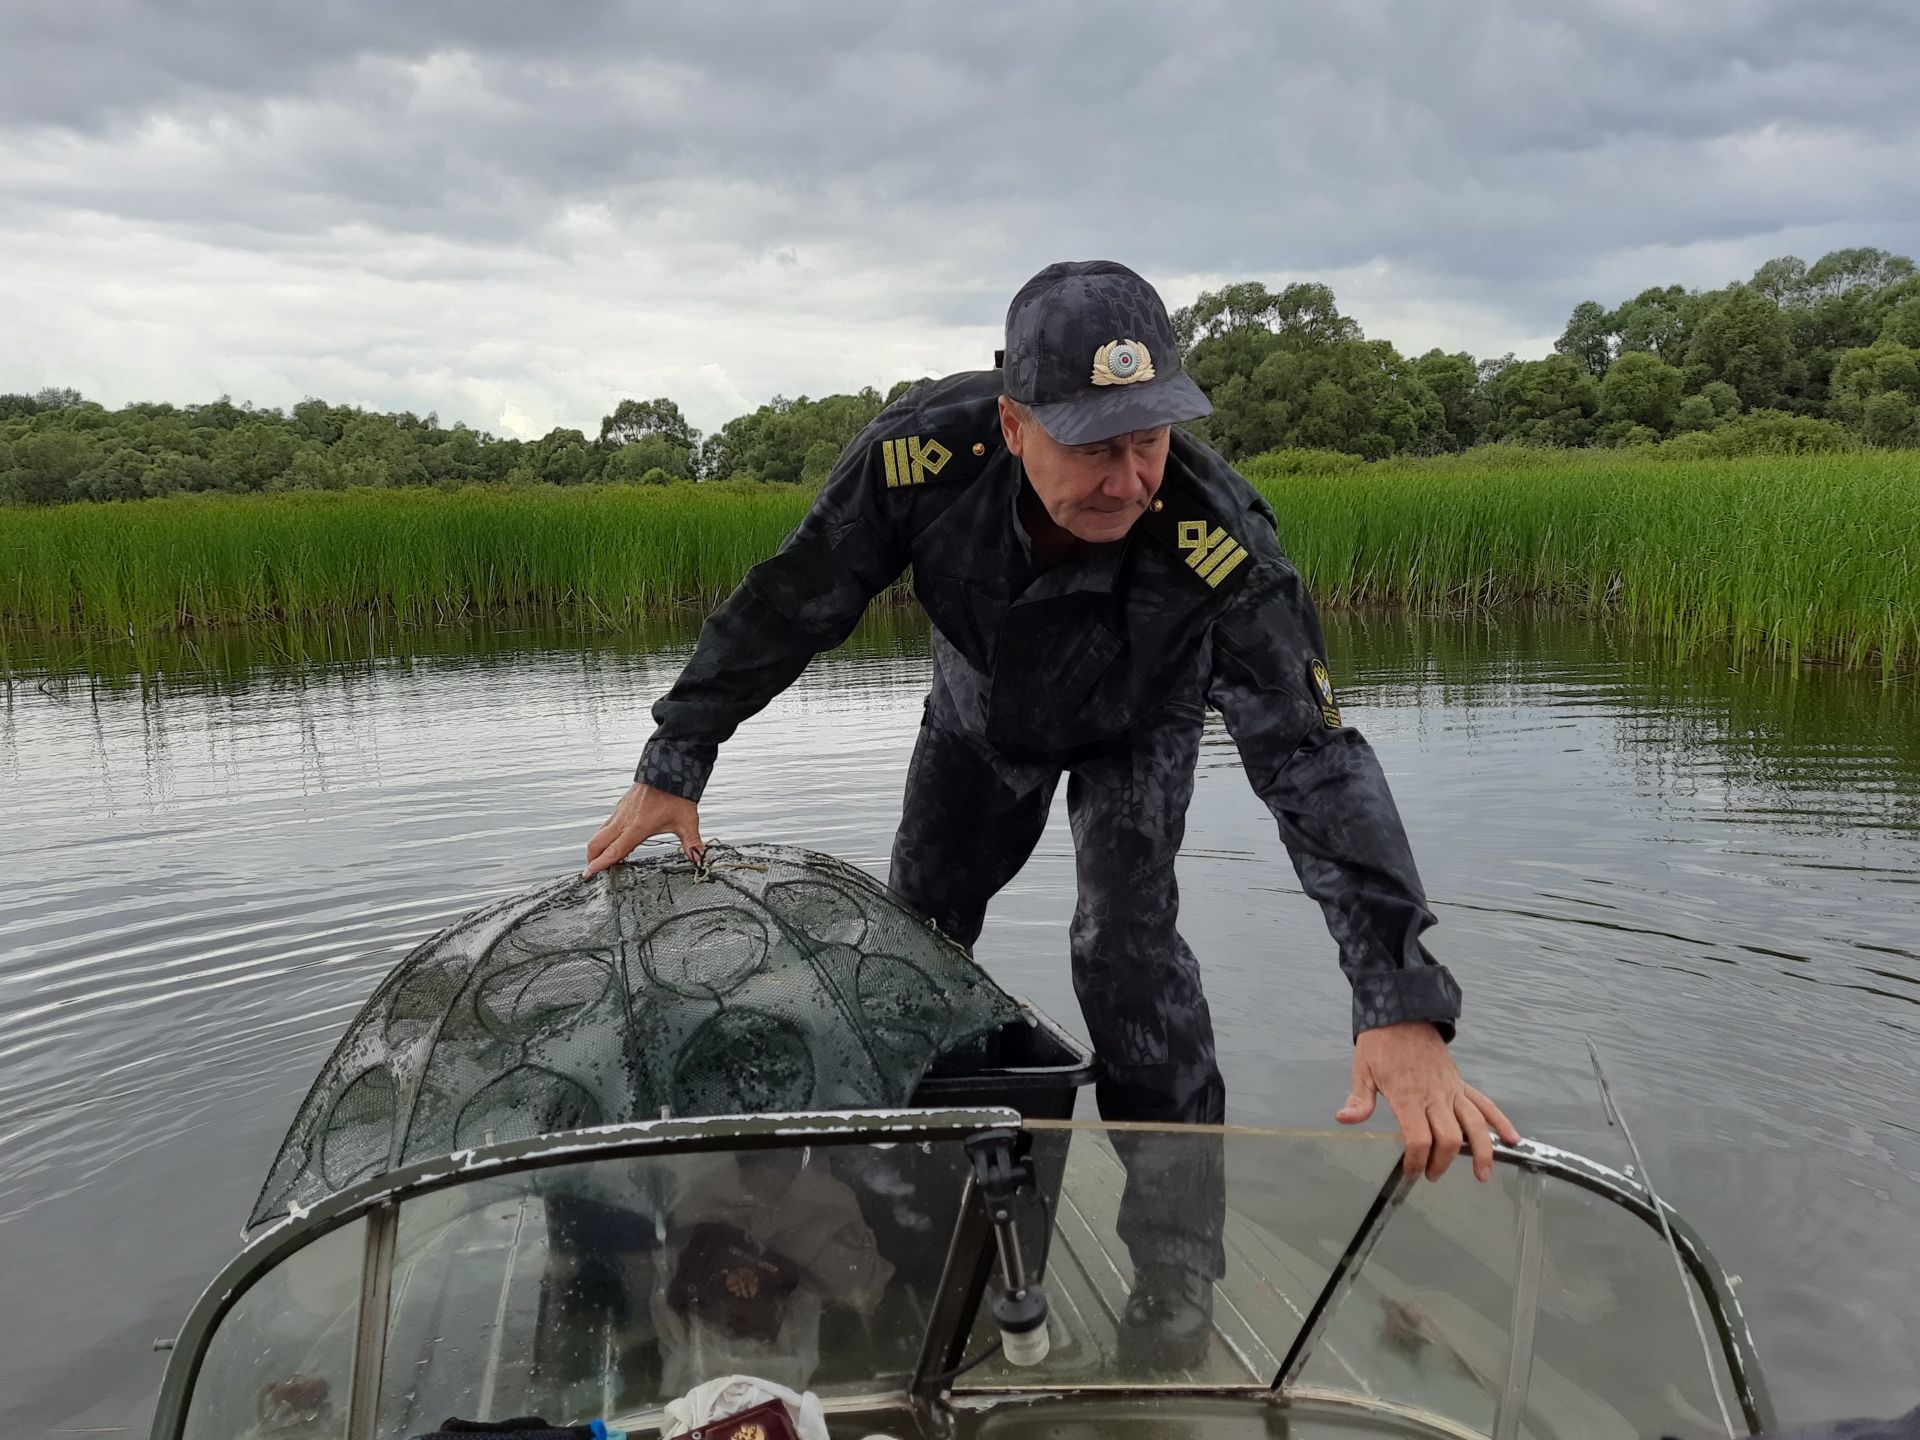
[(767, 979)]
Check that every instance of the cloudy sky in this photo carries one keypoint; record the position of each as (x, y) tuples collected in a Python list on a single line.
[(515, 214)]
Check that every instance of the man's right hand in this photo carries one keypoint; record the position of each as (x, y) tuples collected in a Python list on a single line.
[(644, 812)]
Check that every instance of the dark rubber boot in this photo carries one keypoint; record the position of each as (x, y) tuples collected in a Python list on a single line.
[(1168, 1320)]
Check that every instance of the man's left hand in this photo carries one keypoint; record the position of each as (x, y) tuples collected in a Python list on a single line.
[(1411, 1065)]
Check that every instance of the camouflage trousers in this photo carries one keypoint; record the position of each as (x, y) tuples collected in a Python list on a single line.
[(971, 819)]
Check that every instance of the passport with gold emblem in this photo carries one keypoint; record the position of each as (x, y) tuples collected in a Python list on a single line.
[(766, 1421), (727, 1281)]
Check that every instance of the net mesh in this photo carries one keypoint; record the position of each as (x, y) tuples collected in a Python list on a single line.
[(770, 979)]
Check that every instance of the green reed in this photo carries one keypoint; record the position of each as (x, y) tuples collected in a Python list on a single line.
[(599, 554), (1813, 557), (1798, 557)]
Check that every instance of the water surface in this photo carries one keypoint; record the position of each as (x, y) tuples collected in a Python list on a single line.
[(1713, 872)]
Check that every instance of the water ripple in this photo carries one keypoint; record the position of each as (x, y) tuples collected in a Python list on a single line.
[(1713, 873)]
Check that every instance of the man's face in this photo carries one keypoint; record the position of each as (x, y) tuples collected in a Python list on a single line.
[(1094, 492)]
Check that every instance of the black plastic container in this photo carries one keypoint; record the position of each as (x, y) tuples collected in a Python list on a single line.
[(1035, 1068), (1030, 1065)]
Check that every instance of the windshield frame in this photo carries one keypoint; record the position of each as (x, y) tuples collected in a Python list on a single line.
[(378, 1201), (1537, 1161), (379, 1198)]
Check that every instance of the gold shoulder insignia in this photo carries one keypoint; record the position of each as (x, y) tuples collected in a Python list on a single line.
[(919, 459), (1210, 552)]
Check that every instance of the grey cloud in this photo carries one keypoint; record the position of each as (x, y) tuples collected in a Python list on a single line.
[(915, 163)]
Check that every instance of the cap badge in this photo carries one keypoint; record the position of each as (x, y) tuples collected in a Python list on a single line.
[(1121, 362)]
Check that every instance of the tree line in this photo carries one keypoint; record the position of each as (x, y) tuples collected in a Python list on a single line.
[(57, 446), (1821, 356)]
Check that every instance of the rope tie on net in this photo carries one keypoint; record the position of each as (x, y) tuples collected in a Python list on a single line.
[(704, 865)]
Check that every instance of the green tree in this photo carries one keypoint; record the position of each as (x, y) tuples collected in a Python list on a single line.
[(380, 450), (311, 469), (1890, 419), (1588, 337), (1694, 412), (1766, 432), (1783, 281), (1542, 402), (1742, 339), (774, 441), (1838, 303), (1847, 296), (1233, 339), (252, 455), (1876, 392), (1455, 382), (636, 462), (561, 457), (1301, 315), (221, 414), (1641, 389), (1864, 268), (116, 472), (454, 457), (175, 472), (1356, 396), (817, 464), (499, 458), (1723, 397), (659, 421), (46, 465), (317, 420), (1900, 314), (1657, 320)]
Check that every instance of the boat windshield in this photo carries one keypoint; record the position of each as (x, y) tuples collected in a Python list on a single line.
[(863, 1268), (599, 1288), (1533, 1299)]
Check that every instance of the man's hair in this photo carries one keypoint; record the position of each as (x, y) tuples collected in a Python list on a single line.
[(1026, 413)]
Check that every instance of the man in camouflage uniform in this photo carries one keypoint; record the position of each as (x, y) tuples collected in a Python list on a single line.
[(1096, 580)]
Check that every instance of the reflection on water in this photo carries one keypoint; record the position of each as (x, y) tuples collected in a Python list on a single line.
[(211, 852)]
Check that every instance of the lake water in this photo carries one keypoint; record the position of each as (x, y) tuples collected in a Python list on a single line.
[(1711, 872)]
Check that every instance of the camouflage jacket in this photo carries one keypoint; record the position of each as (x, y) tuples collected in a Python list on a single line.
[(1198, 593)]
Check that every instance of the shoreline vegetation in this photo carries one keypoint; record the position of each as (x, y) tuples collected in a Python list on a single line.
[(1796, 359), (1734, 469), (1795, 558)]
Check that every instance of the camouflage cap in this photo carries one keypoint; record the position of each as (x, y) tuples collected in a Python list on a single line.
[(1090, 350)]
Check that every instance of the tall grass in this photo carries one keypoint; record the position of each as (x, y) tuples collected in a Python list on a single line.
[(1799, 557), (599, 554)]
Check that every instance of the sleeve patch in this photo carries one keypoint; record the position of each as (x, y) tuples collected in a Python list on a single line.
[(1323, 691), (911, 460)]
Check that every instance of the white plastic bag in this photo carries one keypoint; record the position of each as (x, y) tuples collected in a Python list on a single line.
[(731, 1394)]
